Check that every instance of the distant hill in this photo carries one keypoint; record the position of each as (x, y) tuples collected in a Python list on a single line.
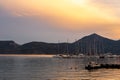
[(96, 44), (8, 47), (91, 44)]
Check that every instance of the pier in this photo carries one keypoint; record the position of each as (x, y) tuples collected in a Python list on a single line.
[(102, 66)]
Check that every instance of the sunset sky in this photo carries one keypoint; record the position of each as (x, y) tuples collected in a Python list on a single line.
[(52, 20)]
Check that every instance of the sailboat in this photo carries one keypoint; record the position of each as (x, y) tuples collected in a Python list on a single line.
[(77, 53), (66, 55), (58, 51)]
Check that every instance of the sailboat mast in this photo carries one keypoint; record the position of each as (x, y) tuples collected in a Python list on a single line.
[(81, 50), (94, 47), (90, 47), (102, 48), (67, 47), (58, 46), (77, 47)]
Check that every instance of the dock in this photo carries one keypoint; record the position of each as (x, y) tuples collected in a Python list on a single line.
[(101, 66)]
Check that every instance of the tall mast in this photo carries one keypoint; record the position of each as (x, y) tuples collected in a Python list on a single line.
[(81, 47), (94, 46), (90, 47), (77, 47), (102, 48), (99, 48), (87, 47), (58, 46), (67, 48)]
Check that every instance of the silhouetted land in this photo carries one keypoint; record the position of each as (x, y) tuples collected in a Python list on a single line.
[(87, 45)]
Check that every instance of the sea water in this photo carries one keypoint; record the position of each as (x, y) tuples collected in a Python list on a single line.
[(35, 67)]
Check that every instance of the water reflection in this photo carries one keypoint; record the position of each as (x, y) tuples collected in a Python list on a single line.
[(39, 68)]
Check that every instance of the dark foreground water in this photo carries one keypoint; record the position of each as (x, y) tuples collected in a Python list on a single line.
[(47, 68)]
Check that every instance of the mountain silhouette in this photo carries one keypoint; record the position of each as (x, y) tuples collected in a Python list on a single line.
[(91, 44), (96, 44)]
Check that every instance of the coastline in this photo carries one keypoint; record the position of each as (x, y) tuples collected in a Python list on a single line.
[(27, 55)]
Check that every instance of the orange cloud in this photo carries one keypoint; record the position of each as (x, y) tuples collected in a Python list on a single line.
[(67, 14)]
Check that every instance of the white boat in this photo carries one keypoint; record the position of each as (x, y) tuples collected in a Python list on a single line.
[(57, 56)]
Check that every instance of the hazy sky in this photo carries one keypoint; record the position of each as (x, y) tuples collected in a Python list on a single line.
[(52, 20)]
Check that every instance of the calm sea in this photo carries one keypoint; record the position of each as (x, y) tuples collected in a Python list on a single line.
[(48, 68)]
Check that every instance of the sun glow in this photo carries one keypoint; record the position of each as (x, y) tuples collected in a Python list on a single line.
[(69, 14), (79, 2)]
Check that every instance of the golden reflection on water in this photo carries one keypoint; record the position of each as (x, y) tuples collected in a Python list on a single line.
[(97, 75), (68, 71), (33, 67)]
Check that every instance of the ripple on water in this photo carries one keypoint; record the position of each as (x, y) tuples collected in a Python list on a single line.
[(40, 68)]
